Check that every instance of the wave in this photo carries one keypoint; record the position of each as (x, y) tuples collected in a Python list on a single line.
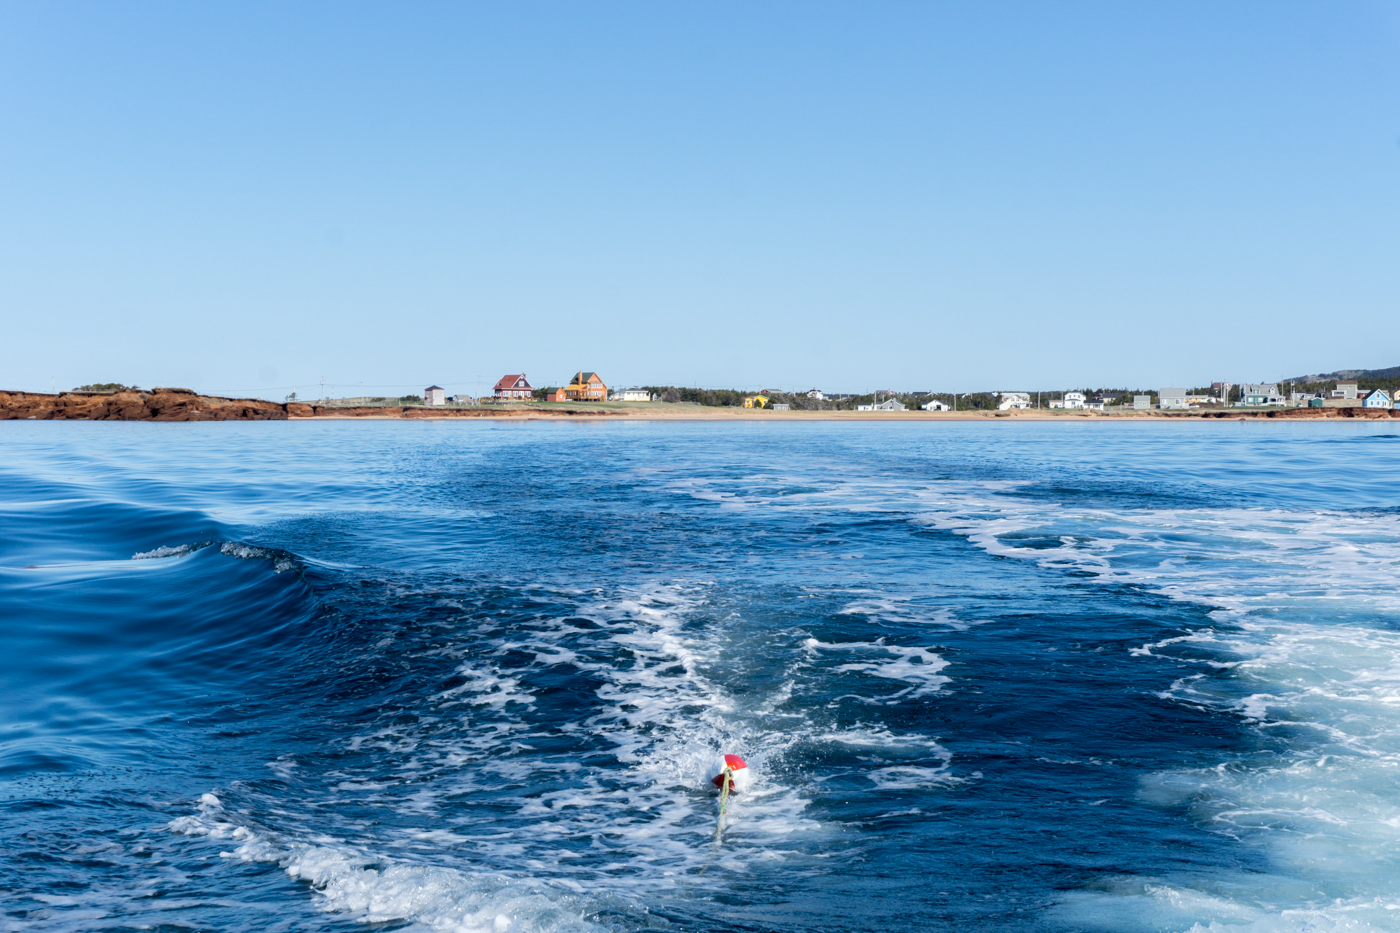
[(282, 561), (97, 656)]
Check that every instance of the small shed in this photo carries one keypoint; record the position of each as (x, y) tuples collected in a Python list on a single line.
[(434, 395)]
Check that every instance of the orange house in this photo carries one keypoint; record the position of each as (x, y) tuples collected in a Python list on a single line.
[(586, 387)]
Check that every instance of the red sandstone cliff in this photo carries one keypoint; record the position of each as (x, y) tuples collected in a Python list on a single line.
[(155, 405)]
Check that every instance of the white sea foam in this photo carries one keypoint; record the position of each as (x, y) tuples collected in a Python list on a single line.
[(280, 563), (909, 777), (918, 667), (379, 890), (905, 610), (168, 551)]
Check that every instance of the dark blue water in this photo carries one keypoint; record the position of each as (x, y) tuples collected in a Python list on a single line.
[(470, 677)]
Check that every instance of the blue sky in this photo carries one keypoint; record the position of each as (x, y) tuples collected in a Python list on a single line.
[(250, 197)]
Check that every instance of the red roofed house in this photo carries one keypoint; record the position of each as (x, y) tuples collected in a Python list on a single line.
[(514, 389)]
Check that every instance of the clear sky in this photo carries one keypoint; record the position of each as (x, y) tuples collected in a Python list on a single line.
[(247, 197)]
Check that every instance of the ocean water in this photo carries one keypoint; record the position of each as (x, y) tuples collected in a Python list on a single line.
[(462, 677)]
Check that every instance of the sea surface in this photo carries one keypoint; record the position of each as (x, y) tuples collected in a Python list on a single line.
[(461, 677)]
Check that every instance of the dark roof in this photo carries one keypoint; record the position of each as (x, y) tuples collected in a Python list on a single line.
[(431, 388)]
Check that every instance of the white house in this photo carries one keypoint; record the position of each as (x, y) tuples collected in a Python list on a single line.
[(634, 395), (890, 404), (934, 404), (1017, 400), (434, 395), (1172, 398), (817, 395), (1377, 399), (1068, 400)]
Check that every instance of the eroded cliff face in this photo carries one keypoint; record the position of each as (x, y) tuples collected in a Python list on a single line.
[(155, 405)]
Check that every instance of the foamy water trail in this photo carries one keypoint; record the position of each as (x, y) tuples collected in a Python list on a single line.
[(625, 810)]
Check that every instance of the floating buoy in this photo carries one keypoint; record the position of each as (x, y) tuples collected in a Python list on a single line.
[(734, 769)]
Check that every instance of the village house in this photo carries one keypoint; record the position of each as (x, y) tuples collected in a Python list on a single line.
[(514, 389), (1172, 398), (1377, 399), (586, 387), (434, 395), (934, 405), (1016, 400), (1260, 394), (1346, 389), (889, 404), (634, 395), (1142, 402), (1069, 400), (816, 394)]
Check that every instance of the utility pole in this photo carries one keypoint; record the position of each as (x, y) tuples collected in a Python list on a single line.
[(323, 388)]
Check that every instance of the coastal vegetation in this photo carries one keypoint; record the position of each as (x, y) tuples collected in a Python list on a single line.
[(108, 387)]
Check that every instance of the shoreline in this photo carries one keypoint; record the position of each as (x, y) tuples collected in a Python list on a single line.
[(181, 405)]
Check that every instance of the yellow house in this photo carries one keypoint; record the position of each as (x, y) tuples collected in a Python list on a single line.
[(756, 401)]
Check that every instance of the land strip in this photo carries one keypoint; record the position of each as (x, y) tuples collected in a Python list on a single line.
[(168, 404)]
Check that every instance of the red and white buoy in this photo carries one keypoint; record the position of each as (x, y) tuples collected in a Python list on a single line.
[(734, 769)]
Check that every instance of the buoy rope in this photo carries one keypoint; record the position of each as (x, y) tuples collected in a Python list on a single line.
[(728, 778)]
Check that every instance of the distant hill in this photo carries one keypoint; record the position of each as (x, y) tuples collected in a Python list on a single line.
[(1391, 373)]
